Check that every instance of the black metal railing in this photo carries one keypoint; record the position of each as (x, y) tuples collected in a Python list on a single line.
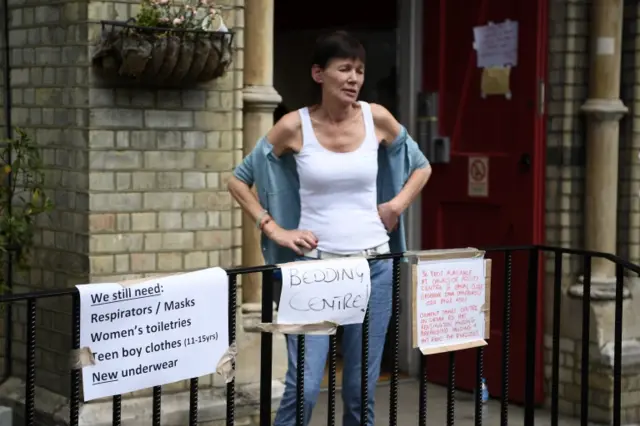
[(506, 254)]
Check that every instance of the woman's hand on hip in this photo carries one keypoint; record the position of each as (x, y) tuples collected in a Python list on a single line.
[(297, 240), (388, 215)]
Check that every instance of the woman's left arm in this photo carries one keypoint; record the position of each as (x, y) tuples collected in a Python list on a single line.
[(387, 130)]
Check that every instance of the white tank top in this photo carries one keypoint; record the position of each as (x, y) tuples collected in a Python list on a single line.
[(338, 193)]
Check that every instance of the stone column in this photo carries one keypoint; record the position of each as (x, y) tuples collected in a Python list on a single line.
[(260, 101), (604, 110)]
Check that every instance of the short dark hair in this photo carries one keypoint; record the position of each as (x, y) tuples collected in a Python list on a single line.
[(337, 45)]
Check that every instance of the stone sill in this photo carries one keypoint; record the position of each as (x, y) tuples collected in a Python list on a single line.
[(53, 409), (630, 356)]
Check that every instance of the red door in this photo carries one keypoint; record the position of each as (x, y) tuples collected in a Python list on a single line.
[(490, 193)]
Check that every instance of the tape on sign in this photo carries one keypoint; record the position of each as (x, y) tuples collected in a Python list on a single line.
[(80, 358), (226, 366), (322, 328)]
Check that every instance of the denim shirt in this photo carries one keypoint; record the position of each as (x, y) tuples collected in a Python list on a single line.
[(277, 185)]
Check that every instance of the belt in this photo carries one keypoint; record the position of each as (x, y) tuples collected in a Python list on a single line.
[(317, 254)]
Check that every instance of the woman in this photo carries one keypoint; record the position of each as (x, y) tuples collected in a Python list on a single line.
[(333, 180)]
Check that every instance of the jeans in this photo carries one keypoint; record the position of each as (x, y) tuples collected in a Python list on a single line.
[(317, 348)]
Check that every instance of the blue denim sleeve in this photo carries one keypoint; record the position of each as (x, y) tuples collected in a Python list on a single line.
[(416, 158), (245, 170)]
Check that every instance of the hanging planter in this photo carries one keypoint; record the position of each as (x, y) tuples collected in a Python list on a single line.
[(163, 48)]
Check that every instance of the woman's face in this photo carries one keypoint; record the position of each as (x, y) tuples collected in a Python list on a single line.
[(341, 79)]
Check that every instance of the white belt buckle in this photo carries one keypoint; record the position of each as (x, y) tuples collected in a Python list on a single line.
[(370, 252)]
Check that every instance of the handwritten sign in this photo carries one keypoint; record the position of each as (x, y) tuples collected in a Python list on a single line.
[(450, 304), (335, 290), (496, 44), (153, 332)]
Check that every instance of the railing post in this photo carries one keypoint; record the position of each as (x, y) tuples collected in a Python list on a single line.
[(232, 308), (30, 385), (586, 328), (555, 351), (74, 403), (266, 350), (506, 339), (478, 409), (8, 127), (532, 329), (8, 339), (451, 390), (364, 370), (395, 342), (617, 348)]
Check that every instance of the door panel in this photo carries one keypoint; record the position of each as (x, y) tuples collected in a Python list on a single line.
[(509, 133)]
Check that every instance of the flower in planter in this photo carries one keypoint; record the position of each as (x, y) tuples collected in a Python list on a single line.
[(196, 15)]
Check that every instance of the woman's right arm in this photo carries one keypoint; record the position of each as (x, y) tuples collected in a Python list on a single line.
[(246, 197), (285, 135)]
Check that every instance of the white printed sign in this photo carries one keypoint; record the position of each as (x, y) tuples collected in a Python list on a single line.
[(496, 44), (158, 331), (335, 290), (450, 303)]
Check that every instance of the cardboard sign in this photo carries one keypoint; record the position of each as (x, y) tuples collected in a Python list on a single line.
[(451, 300)]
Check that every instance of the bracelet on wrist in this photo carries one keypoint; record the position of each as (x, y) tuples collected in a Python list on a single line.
[(265, 223), (260, 219)]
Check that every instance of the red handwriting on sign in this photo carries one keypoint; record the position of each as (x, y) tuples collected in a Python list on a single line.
[(449, 300)]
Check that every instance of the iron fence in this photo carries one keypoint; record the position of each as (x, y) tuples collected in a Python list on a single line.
[(265, 414)]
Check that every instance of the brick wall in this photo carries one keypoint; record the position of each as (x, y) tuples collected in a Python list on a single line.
[(49, 93), (138, 176), (568, 61), (629, 201), (158, 202), (566, 137), (158, 163), (568, 58), (567, 91)]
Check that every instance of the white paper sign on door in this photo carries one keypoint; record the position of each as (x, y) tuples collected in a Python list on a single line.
[(496, 44), (335, 290), (158, 331)]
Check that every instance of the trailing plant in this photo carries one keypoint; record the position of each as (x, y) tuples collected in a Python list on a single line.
[(192, 15), (166, 44), (22, 198)]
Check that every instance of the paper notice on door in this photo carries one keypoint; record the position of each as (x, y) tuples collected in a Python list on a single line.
[(496, 45), (495, 81)]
